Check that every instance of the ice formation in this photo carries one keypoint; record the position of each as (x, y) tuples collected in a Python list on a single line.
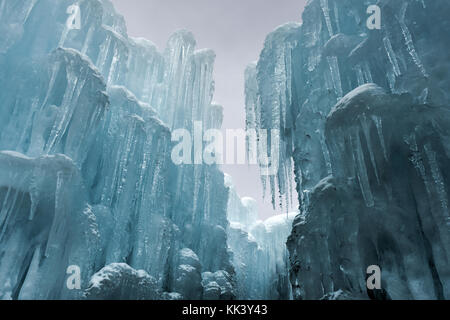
[(118, 281), (86, 177), (364, 116), (87, 181), (260, 256)]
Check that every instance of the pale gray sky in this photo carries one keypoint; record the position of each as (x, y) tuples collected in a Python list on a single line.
[(235, 30)]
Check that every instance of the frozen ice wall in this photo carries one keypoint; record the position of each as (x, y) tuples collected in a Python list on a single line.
[(364, 117), (88, 179), (259, 252)]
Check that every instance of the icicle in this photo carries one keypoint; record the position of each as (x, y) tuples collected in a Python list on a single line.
[(326, 153), (30, 8), (409, 41), (367, 72), (361, 169), (438, 180), (379, 126), (416, 160), (359, 75), (56, 229), (326, 14), (113, 67), (336, 16), (64, 34), (34, 196), (335, 75), (103, 55), (75, 85), (366, 130), (55, 70), (391, 79), (29, 285), (314, 58), (2, 7), (423, 3), (87, 41), (5, 212), (391, 55)]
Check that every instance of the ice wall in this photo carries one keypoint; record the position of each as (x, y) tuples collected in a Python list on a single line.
[(88, 115), (369, 164)]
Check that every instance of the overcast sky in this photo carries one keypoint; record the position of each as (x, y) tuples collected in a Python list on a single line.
[(235, 30)]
